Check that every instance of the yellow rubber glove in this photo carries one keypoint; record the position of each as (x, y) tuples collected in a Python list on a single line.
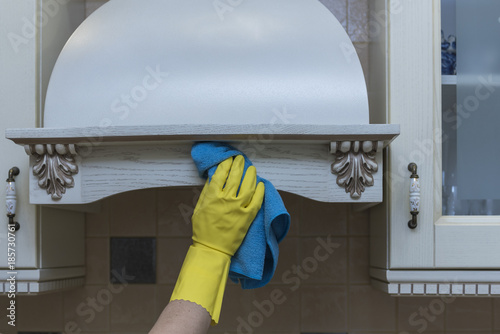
[(220, 222)]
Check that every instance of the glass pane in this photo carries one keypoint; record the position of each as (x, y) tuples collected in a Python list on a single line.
[(471, 113)]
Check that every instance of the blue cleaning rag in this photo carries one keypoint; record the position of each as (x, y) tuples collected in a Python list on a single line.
[(255, 262)]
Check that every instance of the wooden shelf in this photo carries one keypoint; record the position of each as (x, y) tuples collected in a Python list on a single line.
[(449, 80), (189, 133)]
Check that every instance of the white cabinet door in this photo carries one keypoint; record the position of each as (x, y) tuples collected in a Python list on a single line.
[(19, 98), (415, 103), (443, 253), (49, 246)]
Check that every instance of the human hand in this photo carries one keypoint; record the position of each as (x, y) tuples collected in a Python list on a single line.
[(223, 214)]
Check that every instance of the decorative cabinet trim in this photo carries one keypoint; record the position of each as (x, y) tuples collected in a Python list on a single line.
[(54, 167), (100, 162), (439, 289), (431, 282), (34, 288), (355, 163)]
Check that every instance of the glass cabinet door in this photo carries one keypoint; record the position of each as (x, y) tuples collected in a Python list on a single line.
[(471, 107)]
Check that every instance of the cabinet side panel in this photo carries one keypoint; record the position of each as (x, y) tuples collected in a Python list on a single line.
[(411, 104), (377, 93), (18, 93)]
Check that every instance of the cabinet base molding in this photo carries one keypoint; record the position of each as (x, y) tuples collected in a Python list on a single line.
[(465, 283), (37, 281)]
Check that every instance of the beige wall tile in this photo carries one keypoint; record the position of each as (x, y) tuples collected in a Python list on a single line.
[(359, 260), (289, 256), (39, 313), (320, 218), (468, 332), (133, 214), (469, 314), (323, 309), (163, 297), (371, 310), (496, 314), (338, 9), (97, 259), (170, 256), (97, 224), (271, 308), (319, 265), (133, 309), (293, 204), (4, 303), (365, 332), (358, 222), (175, 208), (421, 314), (87, 308), (357, 20), (215, 330)]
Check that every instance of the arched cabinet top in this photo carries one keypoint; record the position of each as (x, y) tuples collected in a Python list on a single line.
[(154, 62)]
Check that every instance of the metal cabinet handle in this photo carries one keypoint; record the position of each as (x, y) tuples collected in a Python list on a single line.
[(11, 199), (414, 195)]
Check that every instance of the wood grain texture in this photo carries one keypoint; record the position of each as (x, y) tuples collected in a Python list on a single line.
[(105, 170), (468, 242), (411, 102), (259, 132)]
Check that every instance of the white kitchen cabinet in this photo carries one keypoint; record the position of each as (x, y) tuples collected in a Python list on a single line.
[(289, 95), (49, 246), (444, 254)]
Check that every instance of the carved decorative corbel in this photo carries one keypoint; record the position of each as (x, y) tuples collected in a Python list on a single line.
[(355, 163), (54, 167)]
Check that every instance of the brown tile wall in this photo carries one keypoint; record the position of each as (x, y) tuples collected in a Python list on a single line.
[(329, 293)]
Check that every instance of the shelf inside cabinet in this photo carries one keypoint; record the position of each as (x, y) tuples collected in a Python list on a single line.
[(449, 80)]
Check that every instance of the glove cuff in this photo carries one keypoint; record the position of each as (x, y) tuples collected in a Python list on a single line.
[(202, 279)]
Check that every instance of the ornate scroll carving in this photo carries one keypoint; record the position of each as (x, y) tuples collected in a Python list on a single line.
[(54, 167), (355, 163)]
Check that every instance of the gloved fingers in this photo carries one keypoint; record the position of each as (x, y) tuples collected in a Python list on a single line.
[(202, 195), (258, 197), (220, 176), (247, 188), (235, 175)]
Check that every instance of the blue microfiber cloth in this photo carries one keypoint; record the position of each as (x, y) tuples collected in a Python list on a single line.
[(255, 261)]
